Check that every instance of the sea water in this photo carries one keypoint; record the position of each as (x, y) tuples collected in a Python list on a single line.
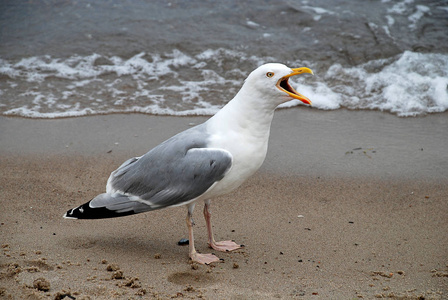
[(75, 58)]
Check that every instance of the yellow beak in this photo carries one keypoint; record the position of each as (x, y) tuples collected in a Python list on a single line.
[(284, 86)]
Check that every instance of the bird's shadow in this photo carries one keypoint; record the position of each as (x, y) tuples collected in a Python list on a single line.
[(125, 245)]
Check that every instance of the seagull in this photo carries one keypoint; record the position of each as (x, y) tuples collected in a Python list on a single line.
[(203, 162)]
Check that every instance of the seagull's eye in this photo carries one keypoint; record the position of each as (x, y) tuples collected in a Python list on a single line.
[(269, 74)]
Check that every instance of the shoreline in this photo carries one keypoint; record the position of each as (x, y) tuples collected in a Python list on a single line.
[(322, 219)]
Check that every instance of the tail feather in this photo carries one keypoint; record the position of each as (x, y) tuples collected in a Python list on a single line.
[(107, 206)]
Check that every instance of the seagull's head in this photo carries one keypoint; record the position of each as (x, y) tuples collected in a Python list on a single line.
[(272, 80)]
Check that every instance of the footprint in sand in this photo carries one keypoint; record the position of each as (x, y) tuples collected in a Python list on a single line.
[(193, 278)]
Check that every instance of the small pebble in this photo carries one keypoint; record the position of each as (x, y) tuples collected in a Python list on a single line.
[(61, 295), (41, 284), (117, 275), (141, 292), (112, 267)]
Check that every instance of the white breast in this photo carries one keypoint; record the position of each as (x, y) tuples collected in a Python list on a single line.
[(248, 151)]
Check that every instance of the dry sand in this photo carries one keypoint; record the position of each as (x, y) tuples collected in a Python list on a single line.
[(349, 204)]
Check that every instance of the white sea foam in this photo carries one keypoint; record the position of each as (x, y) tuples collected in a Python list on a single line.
[(170, 83), (409, 85), (252, 24), (175, 83), (316, 12), (400, 7), (416, 16), (390, 20), (409, 9)]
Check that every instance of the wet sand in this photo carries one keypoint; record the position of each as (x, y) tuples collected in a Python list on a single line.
[(349, 204)]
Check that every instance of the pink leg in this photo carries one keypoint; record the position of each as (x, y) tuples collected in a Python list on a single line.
[(204, 259), (224, 246)]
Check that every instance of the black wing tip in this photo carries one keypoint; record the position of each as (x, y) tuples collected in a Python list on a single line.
[(86, 212)]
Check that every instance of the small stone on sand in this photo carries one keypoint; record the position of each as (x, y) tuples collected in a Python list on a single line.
[(41, 284)]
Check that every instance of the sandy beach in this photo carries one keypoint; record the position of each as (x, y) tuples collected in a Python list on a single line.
[(348, 205)]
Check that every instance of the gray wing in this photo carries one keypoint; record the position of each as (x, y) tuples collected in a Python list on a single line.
[(178, 170)]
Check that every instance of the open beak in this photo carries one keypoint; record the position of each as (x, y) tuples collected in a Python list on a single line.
[(284, 86)]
